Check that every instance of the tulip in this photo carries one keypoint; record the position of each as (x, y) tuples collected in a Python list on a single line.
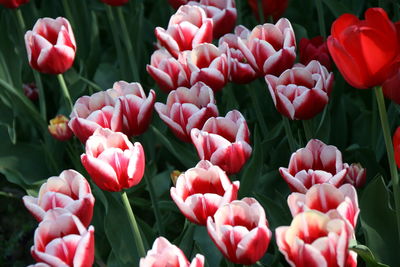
[(30, 91), (200, 191), (177, 3), (69, 191), (315, 49), (273, 8), (136, 108), (115, 2), (13, 3), (99, 110), (369, 66), (62, 240), (187, 28), (326, 198), (164, 254), (168, 72), (240, 70), (224, 141), (356, 174), (51, 45), (187, 109), (59, 128), (222, 12), (270, 49), (314, 239), (301, 92), (316, 163), (240, 231), (396, 146), (209, 64), (113, 162)]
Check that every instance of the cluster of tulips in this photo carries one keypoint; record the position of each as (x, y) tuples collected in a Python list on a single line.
[(191, 69)]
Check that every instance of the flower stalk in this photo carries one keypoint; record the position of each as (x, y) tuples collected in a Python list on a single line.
[(65, 91)]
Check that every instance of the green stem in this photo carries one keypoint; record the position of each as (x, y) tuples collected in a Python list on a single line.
[(288, 130), (134, 225), (260, 11), (42, 96), (128, 45), (154, 203), (260, 117), (64, 89), (374, 123), (20, 19), (307, 129), (321, 21), (390, 153)]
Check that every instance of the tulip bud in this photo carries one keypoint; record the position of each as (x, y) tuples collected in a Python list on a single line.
[(315, 49), (59, 128), (13, 3), (31, 91), (356, 175)]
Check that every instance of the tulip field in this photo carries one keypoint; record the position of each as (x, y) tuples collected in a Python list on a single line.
[(200, 133)]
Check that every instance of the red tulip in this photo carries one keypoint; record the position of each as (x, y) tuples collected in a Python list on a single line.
[(168, 72), (187, 109), (136, 108), (62, 240), (115, 2), (327, 198), (99, 110), (200, 191), (274, 8), (69, 191), (364, 50), (187, 28), (224, 141), (51, 45), (31, 91), (356, 174), (209, 64), (270, 49), (240, 231), (222, 12), (164, 254), (113, 162), (392, 84), (59, 128), (240, 70), (317, 163), (13, 3), (301, 92), (315, 239), (315, 49), (396, 145)]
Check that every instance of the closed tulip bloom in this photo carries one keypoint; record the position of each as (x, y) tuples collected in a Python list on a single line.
[(51, 45), (201, 190), (301, 92), (369, 66), (270, 49), (315, 239), (224, 141), (315, 49), (240, 231), (69, 191), (59, 128), (188, 108), (240, 70), (356, 174), (168, 72), (317, 163), (164, 254), (209, 64), (396, 146), (99, 110), (327, 198), (113, 162), (30, 91), (62, 240), (13, 3), (115, 2), (273, 8), (187, 28), (137, 109)]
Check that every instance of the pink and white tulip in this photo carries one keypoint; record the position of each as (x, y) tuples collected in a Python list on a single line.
[(224, 141), (326, 198), (317, 163), (314, 239), (69, 191), (201, 190), (187, 28), (164, 254), (356, 175), (240, 231), (113, 162), (188, 108), (270, 49), (301, 92)]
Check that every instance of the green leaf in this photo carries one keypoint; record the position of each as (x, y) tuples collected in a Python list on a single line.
[(207, 247), (337, 8), (365, 253)]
